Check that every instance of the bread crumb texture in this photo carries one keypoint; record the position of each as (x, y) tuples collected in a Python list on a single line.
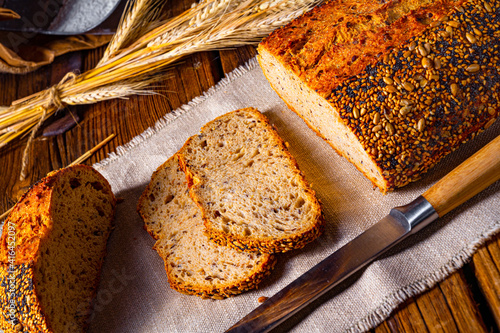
[(393, 86), (51, 252), (248, 186), (194, 264)]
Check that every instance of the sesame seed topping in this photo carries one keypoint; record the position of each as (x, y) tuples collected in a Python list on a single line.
[(408, 86), (421, 125), (471, 38), (437, 90), (473, 68), (388, 80)]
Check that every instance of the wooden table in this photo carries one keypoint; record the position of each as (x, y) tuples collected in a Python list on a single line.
[(467, 301)]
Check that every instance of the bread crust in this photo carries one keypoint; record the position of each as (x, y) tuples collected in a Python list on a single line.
[(340, 38), (265, 245), (408, 105), (250, 283), (30, 220)]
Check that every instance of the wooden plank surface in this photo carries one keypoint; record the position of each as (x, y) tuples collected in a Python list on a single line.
[(467, 301)]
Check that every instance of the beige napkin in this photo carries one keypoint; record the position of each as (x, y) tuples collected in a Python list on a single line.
[(134, 295)]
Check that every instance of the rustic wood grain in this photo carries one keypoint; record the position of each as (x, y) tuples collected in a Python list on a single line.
[(406, 319), (448, 307), (436, 312), (487, 271), (462, 305), (232, 59)]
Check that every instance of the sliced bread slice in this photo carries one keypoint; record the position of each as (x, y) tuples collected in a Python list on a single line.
[(248, 186), (194, 265), (51, 252)]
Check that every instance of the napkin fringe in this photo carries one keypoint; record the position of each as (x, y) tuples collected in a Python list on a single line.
[(383, 311), (172, 116)]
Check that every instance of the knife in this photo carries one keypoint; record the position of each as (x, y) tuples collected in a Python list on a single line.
[(468, 179)]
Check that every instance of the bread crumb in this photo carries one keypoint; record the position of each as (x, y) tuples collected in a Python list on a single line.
[(262, 299)]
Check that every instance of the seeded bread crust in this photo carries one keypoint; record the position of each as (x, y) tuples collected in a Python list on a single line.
[(224, 161), (27, 258), (194, 265), (393, 87)]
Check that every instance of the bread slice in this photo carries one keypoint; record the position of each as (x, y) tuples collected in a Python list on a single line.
[(194, 265), (248, 186), (51, 252), (392, 86)]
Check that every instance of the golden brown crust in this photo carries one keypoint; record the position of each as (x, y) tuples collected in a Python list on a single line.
[(417, 101), (270, 244), (28, 224), (250, 283), (30, 215), (36, 199), (339, 38)]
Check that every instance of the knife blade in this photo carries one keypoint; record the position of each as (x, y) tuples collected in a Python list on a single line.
[(468, 179), (337, 267)]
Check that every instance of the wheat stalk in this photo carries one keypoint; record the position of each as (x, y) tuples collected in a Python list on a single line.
[(121, 90), (205, 16), (143, 46), (202, 13), (137, 15), (247, 23)]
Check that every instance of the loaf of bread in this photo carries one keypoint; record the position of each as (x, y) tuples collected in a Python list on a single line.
[(393, 86), (51, 252), (248, 186), (194, 264)]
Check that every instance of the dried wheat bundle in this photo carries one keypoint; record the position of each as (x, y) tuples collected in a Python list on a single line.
[(143, 45)]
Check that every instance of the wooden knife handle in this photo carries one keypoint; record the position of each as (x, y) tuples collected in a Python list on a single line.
[(468, 179)]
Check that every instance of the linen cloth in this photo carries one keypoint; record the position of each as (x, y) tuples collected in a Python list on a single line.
[(134, 295)]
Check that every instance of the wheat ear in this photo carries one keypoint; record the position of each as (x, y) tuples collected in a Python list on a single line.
[(141, 49), (247, 23), (121, 90), (137, 15)]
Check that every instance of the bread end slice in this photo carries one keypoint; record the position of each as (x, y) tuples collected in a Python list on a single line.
[(249, 187), (52, 249)]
